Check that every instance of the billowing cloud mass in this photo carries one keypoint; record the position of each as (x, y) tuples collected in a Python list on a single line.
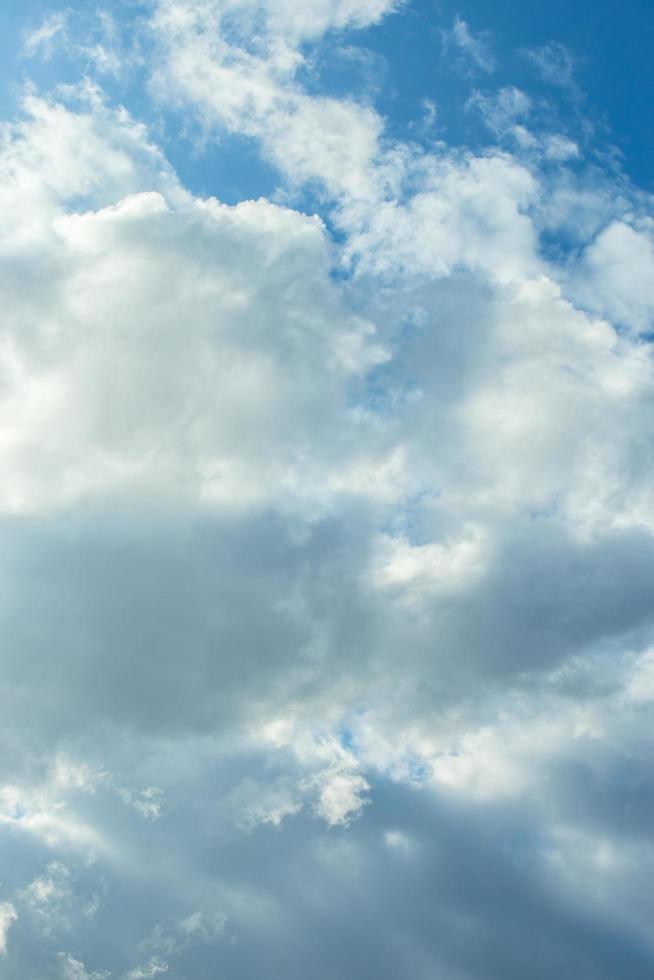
[(327, 565)]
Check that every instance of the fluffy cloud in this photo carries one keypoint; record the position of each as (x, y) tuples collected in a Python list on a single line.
[(246, 372), (235, 67), (616, 274), (327, 562)]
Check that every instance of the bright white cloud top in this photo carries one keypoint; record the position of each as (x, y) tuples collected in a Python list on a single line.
[(327, 562)]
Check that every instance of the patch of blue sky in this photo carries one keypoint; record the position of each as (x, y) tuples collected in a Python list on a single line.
[(53, 66), (226, 166), (569, 60), (414, 519), (393, 383), (347, 739), (412, 68), (580, 82), (611, 46)]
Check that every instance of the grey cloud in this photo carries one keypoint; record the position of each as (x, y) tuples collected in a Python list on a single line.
[(471, 895)]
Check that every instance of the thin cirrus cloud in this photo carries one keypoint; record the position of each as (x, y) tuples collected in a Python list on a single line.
[(472, 52), (326, 538)]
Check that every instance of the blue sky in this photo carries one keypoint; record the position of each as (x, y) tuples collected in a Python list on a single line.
[(326, 524), (609, 47)]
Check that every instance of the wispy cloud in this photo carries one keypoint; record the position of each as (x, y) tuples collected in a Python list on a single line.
[(556, 65), (42, 39), (472, 51)]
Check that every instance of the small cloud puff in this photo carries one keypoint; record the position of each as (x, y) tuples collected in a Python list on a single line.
[(8, 916)]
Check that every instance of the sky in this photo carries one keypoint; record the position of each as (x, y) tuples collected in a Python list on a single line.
[(326, 523)]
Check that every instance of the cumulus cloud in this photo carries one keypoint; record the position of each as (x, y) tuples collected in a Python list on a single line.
[(327, 541), (616, 273), (213, 395)]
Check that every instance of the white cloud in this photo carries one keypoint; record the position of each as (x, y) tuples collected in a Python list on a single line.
[(555, 63), (91, 40), (148, 803), (72, 969), (468, 214), (639, 688), (284, 546), (8, 916), (616, 275), (558, 147), (50, 899), (429, 567), (340, 794), (153, 968), (397, 840), (40, 810), (104, 49), (53, 156), (197, 927), (256, 804), (502, 111), (282, 19), (40, 39), (251, 90), (473, 49), (326, 779), (209, 410)]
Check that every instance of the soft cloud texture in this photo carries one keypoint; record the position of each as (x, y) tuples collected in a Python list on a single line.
[(7, 917), (327, 551)]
